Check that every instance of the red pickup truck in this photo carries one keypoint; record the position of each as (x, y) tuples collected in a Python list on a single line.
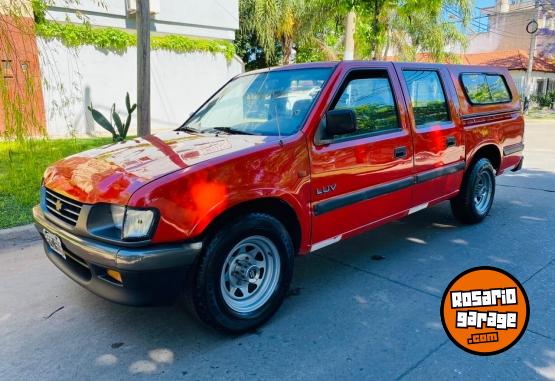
[(278, 162)]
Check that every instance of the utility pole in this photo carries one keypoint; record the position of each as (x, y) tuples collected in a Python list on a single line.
[(532, 29), (350, 23), (143, 67)]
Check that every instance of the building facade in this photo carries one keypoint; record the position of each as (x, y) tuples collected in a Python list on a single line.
[(74, 76), (500, 37), (21, 98), (503, 27)]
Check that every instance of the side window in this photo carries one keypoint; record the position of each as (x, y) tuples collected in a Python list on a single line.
[(427, 97), (483, 89), (370, 96)]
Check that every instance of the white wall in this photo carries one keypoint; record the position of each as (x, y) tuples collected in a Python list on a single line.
[(73, 78), (202, 18), (519, 76)]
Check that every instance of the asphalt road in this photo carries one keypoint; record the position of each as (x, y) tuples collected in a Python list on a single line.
[(367, 308)]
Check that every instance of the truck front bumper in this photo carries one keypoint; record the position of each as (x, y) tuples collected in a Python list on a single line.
[(150, 275)]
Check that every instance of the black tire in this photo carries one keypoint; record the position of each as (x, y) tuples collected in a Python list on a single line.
[(465, 206), (206, 294)]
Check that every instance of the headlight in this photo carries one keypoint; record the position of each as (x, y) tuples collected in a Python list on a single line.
[(137, 223), (118, 222), (118, 212)]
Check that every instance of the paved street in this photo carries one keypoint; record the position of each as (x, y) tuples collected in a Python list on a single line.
[(367, 308)]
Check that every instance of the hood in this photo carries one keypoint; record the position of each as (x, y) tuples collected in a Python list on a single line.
[(113, 172)]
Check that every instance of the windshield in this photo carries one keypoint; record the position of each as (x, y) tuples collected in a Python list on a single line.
[(269, 103)]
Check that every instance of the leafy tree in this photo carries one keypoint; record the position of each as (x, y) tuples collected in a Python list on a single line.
[(275, 24), (419, 26), (272, 29), (405, 28), (325, 31), (247, 44)]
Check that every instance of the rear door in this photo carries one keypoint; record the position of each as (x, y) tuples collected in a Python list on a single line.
[(438, 135), (364, 177)]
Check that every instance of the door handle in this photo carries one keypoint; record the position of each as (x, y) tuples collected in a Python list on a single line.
[(451, 141), (400, 152)]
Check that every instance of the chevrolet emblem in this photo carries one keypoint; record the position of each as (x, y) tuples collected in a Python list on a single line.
[(58, 205)]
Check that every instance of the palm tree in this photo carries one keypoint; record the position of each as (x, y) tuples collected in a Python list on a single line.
[(316, 28), (407, 28), (420, 26), (286, 24), (271, 21)]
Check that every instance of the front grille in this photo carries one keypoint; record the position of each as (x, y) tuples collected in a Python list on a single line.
[(62, 207)]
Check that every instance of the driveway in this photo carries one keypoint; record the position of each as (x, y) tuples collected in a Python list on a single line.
[(367, 308)]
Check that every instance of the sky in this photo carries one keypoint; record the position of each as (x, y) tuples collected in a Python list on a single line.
[(476, 12), (484, 3), (476, 19)]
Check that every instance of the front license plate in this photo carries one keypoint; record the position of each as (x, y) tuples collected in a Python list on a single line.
[(54, 242)]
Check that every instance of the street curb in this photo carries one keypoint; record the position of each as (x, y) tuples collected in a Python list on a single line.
[(25, 233)]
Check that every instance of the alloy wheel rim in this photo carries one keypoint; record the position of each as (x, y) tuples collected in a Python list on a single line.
[(482, 192), (250, 274)]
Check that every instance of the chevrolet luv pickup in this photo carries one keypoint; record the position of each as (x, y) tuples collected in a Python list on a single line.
[(279, 162)]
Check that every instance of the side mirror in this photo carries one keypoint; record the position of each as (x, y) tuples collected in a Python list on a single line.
[(340, 122)]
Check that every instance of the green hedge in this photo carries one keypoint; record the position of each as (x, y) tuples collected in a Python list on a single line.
[(118, 40), (546, 100)]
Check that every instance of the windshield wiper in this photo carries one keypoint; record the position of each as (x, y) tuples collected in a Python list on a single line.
[(188, 129), (231, 130)]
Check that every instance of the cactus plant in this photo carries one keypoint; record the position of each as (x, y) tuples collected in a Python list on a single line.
[(115, 126)]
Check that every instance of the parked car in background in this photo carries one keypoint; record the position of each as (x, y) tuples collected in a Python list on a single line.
[(279, 162)]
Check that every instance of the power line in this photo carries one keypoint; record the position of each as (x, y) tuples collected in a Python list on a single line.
[(451, 9), (479, 26)]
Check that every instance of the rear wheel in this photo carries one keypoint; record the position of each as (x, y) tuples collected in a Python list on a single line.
[(475, 198), (243, 274)]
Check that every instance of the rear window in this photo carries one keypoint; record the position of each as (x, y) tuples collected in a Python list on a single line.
[(483, 89)]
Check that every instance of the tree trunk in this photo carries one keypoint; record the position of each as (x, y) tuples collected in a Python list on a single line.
[(287, 47), (386, 49), (375, 25), (350, 24)]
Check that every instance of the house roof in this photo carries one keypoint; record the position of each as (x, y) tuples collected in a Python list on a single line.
[(514, 59)]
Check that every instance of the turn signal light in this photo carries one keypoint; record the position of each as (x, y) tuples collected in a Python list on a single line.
[(114, 275)]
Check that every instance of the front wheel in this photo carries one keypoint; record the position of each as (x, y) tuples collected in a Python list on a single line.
[(475, 198), (243, 274)]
